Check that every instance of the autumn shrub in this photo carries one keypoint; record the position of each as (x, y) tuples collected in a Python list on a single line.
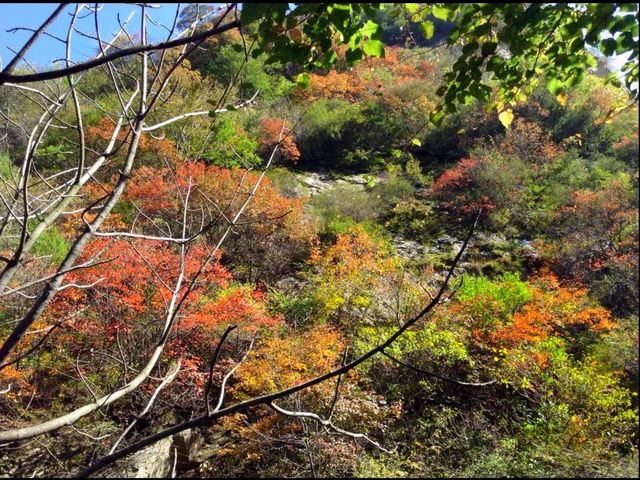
[(530, 143), (277, 131), (626, 149), (594, 118), (343, 85), (272, 236), (500, 185), (596, 241), (345, 275), (617, 351)]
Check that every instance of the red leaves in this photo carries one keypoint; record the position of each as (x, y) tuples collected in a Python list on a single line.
[(135, 283), (457, 187), (600, 229), (237, 306)]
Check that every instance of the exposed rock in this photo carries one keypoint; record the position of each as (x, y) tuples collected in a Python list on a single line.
[(445, 240), (528, 250), (157, 460), (154, 461), (187, 445), (409, 249), (319, 182), (289, 284), (316, 182)]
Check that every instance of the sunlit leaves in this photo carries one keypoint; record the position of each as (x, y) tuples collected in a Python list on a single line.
[(427, 29), (506, 117), (509, 44)]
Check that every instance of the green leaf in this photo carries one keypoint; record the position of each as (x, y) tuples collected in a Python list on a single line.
[(555, 86), (469, 48), (416, 142), (411, 7), (437, 117), (441, 13), (353, 55), (494, 63), (254, 11), (628, 7), (303, 80), (488, 48), (427, 29), (372, 30), (231, 108), (374, 48), (608, 46)]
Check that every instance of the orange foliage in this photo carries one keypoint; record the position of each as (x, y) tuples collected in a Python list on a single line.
[(273, 130), (355, 252), (237, 306), (159, 192), (126, 287), (282, 362), (456, 186), (553, 310), (601, 230), (359, 81), (347, 86)]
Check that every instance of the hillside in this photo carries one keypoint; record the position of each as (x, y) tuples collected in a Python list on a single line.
[(291, 225)]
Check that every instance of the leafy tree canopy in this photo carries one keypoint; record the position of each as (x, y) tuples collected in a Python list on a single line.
[(503, 48)]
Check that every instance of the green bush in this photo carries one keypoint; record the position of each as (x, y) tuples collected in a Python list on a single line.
[(298, 309), (413, 219), (230, 146), (321, 136), (255, 74), (286, 182), (393, 191), (493, 299), (51, 243), (343, 202)]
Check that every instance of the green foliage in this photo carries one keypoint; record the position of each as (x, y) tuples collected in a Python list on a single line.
[(413, 219), (323, 136), (8, 171), (381, 467), (343, 205), (51, 244), (494, 299), (559, 184), (285, 181), (427, 344), (395, 189), (254, 74), (230, 146), (297, 309)]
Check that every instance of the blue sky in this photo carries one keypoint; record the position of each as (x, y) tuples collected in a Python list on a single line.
[(46, 50)]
